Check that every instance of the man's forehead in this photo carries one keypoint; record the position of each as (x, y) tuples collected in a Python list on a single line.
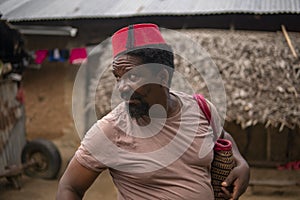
[(126, 61), (127, 58)]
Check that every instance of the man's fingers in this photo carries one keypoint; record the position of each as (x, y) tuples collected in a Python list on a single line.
[(226, 193), (229, 180), (235, 194), (238, 190)]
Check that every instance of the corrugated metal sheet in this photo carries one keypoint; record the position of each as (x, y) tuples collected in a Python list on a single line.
[(23, 10), (12, 126), (10, 110)]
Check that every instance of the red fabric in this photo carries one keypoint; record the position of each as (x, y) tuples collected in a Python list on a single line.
[(20, 95), (222, 145), (40, 56), (295, 165), (143, 34), (203, 106), (78, 55)]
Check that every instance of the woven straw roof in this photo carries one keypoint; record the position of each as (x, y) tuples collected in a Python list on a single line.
[(260, 74)]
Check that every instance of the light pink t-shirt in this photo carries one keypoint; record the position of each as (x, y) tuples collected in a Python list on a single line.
[(168, 159)]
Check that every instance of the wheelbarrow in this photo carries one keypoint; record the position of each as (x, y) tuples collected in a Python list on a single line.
[(40, 159), (37, 158)]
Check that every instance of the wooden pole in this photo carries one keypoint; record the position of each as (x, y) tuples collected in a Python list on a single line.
[(286, 35), (269, 145)]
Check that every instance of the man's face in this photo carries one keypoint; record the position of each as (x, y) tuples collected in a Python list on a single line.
[(136, 84)]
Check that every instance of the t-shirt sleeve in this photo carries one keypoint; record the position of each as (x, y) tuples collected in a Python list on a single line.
[(95, 151), (86, 159)]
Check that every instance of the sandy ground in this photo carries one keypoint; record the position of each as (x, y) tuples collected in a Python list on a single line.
[(103, 188)]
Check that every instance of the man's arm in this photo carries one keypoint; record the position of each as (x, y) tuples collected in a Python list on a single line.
[(75, 181), (239, 176)]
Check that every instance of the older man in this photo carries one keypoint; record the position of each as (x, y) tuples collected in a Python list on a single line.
[(151, 142)]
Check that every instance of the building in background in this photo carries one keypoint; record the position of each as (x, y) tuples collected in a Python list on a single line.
[(255, 46)]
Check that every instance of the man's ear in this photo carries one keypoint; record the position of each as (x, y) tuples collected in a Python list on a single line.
[(164, 77)]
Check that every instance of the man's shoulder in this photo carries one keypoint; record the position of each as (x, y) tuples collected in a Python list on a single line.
[(186, 99), (116, 118), (181, 94), (115, 113)]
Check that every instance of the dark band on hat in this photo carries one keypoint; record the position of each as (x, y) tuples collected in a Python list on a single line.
[(164, 47), (130, 37)]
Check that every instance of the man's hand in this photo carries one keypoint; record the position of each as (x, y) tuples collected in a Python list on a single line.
[(238, 179)]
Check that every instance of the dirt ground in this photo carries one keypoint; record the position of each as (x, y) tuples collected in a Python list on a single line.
[(103, 188)]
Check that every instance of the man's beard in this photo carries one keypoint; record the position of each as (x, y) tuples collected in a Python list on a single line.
[(138, 110), (138, 107)]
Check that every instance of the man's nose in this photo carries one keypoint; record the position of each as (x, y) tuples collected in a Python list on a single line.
[(123, 86)]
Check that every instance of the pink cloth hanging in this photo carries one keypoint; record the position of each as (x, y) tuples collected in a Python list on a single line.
[(78, 55), (40, 56)]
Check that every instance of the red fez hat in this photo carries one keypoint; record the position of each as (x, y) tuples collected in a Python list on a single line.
[(134, 37)]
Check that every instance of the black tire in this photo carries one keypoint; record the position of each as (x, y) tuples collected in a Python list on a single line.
[(46, 156)]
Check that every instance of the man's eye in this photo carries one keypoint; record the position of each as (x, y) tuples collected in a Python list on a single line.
[(133, 77), (117, 78)]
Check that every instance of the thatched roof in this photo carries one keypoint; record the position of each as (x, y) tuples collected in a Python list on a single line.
[(259, 72), (261, 76)]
